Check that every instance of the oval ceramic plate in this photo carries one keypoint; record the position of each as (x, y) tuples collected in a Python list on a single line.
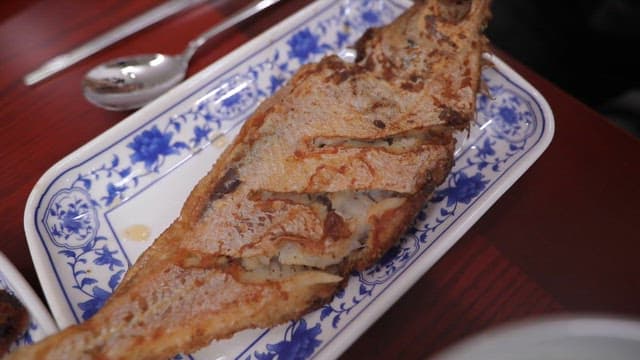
[(553, 338), (40, 322), (93, 213)]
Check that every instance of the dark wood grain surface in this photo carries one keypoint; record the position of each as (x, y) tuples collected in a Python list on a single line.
[(564, 238)]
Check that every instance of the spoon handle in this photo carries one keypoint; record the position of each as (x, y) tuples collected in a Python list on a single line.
[(247, 12)]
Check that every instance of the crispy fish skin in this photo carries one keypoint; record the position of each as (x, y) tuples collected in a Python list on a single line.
[(323, 178)]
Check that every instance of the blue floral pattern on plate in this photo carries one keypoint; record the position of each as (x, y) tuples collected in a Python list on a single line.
[(89, 256), (71, 219), (299, 342)]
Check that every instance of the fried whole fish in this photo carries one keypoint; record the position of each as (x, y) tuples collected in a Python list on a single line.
[(323, 178)]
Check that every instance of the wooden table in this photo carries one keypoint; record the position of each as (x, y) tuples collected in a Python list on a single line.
[(565, 238)]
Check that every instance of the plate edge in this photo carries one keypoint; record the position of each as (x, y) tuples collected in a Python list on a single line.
[(30, 299)]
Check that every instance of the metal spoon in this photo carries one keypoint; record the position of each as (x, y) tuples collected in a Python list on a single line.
[(131, 82)]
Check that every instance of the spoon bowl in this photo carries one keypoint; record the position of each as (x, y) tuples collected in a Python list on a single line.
[(130, 82)]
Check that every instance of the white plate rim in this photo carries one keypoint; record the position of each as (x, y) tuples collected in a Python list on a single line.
[(522, 333), (27, 296)]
